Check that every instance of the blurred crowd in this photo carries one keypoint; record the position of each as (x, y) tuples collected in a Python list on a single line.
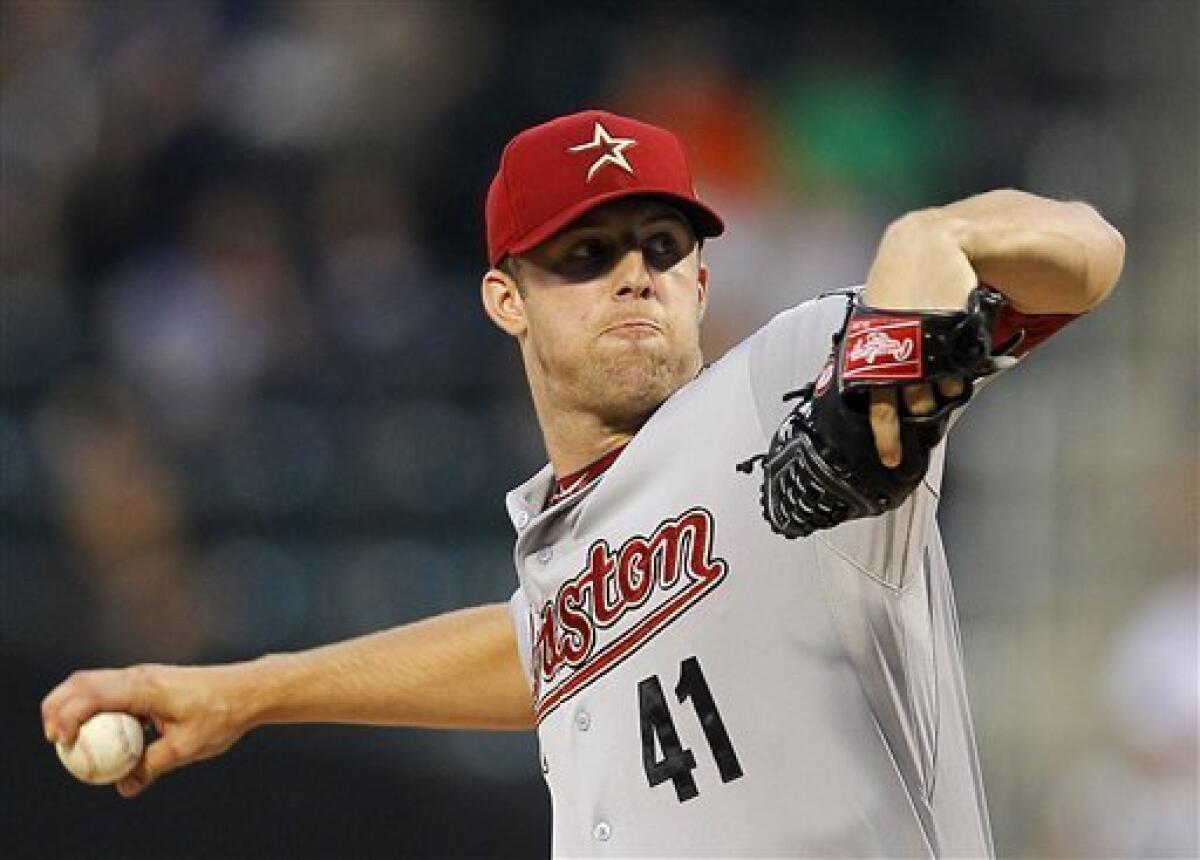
[(248, 400)]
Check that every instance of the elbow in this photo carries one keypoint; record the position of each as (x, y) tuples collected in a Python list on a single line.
[(1105, 256)]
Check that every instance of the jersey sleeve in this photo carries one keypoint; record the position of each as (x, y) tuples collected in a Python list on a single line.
[(789, 351)]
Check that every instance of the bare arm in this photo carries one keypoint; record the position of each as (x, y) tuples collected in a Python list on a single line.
[(459, 670), (1045, 256)]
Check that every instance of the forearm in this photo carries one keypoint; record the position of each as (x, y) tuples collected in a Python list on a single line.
[(1045, 256), (458, 670)]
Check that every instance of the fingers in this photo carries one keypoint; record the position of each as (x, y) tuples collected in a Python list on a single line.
[(72, 702), (195, 711), (885, 425), (83, 694), (161, 757), (130, 788), (951, 386), (919, 399)]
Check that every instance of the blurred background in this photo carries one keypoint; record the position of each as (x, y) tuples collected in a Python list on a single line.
[(249, 401)]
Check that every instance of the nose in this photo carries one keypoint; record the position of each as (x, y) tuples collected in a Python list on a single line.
[(634, 279)]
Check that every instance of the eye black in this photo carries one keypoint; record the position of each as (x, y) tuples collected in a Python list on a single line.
[(664, 250), (590, 250), (585, 259), (663, 243)]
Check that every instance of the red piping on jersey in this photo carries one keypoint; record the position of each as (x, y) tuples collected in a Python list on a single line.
[(578, 481)]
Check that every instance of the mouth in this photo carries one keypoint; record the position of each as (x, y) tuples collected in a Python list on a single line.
[(634, 328)]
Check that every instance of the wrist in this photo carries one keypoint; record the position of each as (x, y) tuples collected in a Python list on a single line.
[(936, 227), (921, 264), (256, 693)]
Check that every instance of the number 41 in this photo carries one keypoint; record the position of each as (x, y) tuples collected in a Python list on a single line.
[(678, 763)]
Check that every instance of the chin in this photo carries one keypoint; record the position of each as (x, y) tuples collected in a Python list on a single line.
[(628, 391)]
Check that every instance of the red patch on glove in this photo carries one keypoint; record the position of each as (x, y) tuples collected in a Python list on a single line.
[(882, 349)]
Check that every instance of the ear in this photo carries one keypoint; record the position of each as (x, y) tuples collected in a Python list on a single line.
[(503, 303), (702, 288)]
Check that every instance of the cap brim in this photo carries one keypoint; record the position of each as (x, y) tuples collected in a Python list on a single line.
[(704, 221)]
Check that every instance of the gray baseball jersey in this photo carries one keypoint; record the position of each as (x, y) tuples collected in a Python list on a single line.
[(704, 687)]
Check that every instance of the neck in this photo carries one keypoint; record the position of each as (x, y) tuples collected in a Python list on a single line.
[(576, 439), (581, 423), (575, 436)]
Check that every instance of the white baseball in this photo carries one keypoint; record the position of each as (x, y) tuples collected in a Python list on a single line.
[(107, 748)]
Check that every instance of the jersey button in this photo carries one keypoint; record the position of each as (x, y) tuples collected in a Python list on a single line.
[(522, 519), (545, 554), (602, 831), (583, 721)]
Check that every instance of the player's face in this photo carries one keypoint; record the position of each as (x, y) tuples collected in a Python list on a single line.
[(611, 311)]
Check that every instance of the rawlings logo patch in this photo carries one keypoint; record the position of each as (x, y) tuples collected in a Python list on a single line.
[(619, 601), (882, 348)]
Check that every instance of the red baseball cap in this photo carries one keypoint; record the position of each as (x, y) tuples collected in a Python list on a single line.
[(553, 173)]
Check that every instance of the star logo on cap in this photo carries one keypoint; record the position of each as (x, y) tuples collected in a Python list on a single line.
[(612, 150)]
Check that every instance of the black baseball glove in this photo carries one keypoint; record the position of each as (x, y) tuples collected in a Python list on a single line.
[(822, 467)]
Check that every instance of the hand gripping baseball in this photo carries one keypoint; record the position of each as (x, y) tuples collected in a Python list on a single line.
[(192, 709), (822, 467)]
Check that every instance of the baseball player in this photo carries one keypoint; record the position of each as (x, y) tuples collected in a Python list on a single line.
[(734, 629)]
